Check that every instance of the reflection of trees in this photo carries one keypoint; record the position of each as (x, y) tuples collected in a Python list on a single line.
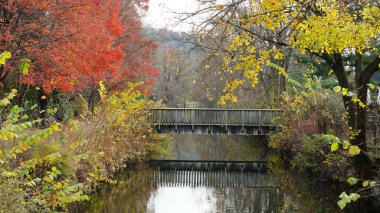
[(242, 200), (130, 195), (219, 147), (305, 194)]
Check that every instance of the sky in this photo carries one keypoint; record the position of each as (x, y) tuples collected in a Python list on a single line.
[(160, 14)]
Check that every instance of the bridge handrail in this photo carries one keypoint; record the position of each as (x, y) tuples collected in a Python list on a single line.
[(216, 109), (208, 116)]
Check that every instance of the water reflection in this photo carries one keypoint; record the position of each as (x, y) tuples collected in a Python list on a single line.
[(204, 190), (207, 199), (195, 192), (130, 195), (248, 200)]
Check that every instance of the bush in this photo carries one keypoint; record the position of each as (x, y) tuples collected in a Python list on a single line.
[(310, 154), (311, 111), (47, 169), (12, 197), (337, 166)]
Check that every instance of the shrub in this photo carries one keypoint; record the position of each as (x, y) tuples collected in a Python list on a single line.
[(53, 167), (12, 197), (310, 154), (309, 112)]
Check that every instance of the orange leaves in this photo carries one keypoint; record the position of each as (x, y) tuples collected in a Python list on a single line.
[(74, 44)]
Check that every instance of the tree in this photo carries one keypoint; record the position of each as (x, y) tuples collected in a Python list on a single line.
[(331, 30), (217, 76), (175, 77), (74, 43), (58, 37), (137, 64), (138, 59)]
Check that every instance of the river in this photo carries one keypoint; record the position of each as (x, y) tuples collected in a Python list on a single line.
[(144, 189)]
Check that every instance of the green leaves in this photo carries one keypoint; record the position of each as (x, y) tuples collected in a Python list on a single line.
[(6, 101), (345, 199), (343, 91), (54, 127), (346, 144), (330, 138), (8, 174), (334, 146), (337, 89), (372, 86), (335, 142), (354, 196), (326, 138), (354, 150), (4, 57), (352, 181), (341, 204), (24, 66)]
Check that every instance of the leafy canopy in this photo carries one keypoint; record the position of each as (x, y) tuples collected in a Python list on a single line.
[(319, 27)]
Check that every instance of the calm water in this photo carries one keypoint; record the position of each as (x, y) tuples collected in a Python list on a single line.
[(146, 190), (180, 191)]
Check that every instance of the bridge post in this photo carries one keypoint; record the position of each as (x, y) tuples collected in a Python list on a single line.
[(226, 120), (243, 121), (209, 123), (175, 120), (159, 119)]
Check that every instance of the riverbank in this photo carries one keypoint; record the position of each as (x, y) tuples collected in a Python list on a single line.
[(305, 192), (45, 170), (313, 139)]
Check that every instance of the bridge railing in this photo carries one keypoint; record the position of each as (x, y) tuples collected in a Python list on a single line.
[(231, 117)]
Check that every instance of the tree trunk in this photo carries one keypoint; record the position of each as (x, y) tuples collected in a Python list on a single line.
[(357, 119), (357, 115), (91, 100)]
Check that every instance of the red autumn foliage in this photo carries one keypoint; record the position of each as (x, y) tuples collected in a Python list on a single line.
[(75, 44)]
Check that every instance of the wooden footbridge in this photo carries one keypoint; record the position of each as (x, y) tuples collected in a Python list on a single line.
[(214, 121)]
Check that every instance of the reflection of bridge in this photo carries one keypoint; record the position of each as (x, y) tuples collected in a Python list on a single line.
[(215, 179), (204, 165), (214, 121), (195, 173)]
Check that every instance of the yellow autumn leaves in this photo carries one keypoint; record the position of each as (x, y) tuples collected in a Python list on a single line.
[(248, 60), (328, 27), (336, 30), (228, 90)]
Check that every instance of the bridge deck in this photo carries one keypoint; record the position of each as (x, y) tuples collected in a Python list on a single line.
[(214, 121)]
